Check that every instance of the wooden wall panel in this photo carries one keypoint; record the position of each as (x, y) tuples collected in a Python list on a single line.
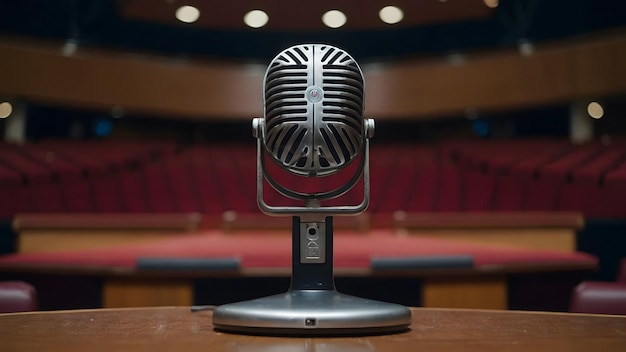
[(413, 89), (136, 292)]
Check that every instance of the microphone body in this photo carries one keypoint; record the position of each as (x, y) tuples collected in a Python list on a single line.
[(313, 125), (313, 109)]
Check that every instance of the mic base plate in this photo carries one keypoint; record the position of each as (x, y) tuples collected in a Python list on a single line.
[(312, 312)]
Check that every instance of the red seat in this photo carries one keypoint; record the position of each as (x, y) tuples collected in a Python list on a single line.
[(423, 195), (106, 193), (560, 169), (158, 190), (478, 189), (132, 190), (621, 273), (599, 298), (449, 188), (17, 296), (509, 194), (78, 196), (541, 195), (592, 172)]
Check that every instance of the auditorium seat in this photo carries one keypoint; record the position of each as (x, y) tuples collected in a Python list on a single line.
[(400, 185), (424, 190), (178, 176), (61, 167), (575, 197), (381, 173), (594, 171), (235, 197), (448, 190), (46, 197), (30, 170), (209, 192), (132, 191), (529, 167), (510, 194), (9, 177), (541, 195), (599, 298), (602, 297), (158, 190), (561, 169), (621, 271), (17, 296), (478, 191), (616, 178), (14, 199), (78, 196), (501, 162), (106, 193)]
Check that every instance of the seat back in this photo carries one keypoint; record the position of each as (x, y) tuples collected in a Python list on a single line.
[(599, 298), (621, 271), (17, 296)]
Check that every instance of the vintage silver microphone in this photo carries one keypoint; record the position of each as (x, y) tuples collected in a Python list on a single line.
[(313, 126)]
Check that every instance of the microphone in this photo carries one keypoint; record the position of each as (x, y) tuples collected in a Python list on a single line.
[(313, 109), (313, 123), (313, 127)]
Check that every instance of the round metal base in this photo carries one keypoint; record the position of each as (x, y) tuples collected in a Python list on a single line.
[(312, 312)]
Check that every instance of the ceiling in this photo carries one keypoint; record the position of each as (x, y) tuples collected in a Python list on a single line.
[(302, 16), (430, 27)]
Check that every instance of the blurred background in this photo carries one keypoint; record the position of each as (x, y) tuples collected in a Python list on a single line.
[(479, 69), (145, 106)]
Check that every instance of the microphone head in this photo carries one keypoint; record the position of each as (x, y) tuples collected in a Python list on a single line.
[(313, 108)]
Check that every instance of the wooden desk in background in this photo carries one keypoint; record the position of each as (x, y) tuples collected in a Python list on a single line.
[(37, 233), (526, 229), (498, 277), (497, 286), (432, 330)]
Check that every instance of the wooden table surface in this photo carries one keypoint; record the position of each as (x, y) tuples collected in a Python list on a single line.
[(432, 330)]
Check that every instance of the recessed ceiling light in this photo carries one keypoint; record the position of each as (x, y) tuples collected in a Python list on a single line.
[(187, 14), (491, 3), (256, 18), (595, 110), (391, 14), (117, 112), (334, 19), (70, 47), (525, 47), (5, 109)]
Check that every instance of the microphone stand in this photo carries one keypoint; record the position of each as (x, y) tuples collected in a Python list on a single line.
[(312, 305)]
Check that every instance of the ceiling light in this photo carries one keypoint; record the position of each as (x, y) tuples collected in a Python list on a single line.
[(70, 47), (187, 14), (256, 18), (525, 47), (491, 3), (117, 112), (391, 14), (595, 110), (334, 19), (456, 59), (5, 109)]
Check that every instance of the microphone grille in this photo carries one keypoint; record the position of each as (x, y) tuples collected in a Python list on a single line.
[(313, 106)]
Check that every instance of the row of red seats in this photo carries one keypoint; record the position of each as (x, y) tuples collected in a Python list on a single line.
[(591, 164), (213, 179), (65, 160)]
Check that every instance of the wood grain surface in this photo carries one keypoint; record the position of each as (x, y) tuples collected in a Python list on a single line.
[(178, 329)]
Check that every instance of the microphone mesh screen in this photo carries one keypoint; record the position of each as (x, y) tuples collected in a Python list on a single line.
[(313, 97)]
